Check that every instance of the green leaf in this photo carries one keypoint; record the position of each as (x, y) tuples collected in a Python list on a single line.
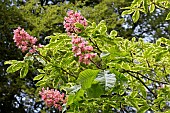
[(79, 95), (10, 62), (102, 27), (152, 8), (41, 71), (80, 26), (70, 99), (91, 92), (159, 99), (38, 77), (135, 16), (143, 109), (126, 12), (24, 71), (145, 5), (87, 77), (15, 67), (43, 52), (125, 66), (168, 16), (133, 102), (113, 33), (73, 98), (134, 94), (40, 83), (106, 79), (143, 91)]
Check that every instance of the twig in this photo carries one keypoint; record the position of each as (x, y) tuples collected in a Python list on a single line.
[(68, 73), (95, 64), (142, 83), (56, 66), (147, 77), (148, 63), (42, 56), (95, 44)]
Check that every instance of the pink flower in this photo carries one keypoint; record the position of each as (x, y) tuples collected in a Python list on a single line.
[(69, 22), (89, 48), (53, 98), (24, 41), (81, 50)]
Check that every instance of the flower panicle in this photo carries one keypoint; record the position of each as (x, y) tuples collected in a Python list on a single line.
[(70, 21), (24, 41), (53, 97)]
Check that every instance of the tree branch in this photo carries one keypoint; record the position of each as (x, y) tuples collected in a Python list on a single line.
[(95, 64), (95, 44), (68, 73), (147, 77), (141, 82)]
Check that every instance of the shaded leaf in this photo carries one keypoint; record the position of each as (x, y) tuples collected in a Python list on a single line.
[(91, 92), (14, 67), (113, 33), (80, 26), (10, 62)]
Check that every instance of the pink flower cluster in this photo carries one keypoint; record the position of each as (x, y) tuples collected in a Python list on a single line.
[(80, 47), (69, 22), (24, 41), (53, 98), (81, 50)]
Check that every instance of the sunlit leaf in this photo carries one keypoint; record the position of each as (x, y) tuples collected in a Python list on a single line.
[(24, 71), (106, 79), (135, 16), (86, 77)]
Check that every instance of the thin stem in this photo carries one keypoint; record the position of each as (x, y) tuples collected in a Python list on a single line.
[(142, 83), (148, 63), (42, 56), (57, 67), (147, 77), (68, 73), (95, 64), (95, 44)]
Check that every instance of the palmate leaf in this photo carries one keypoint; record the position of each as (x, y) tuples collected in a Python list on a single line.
[(86, 78), (106, 79)]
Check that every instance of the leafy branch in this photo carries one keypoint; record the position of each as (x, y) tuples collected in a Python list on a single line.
[(143, 83), (95, 44), (147, 77)]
